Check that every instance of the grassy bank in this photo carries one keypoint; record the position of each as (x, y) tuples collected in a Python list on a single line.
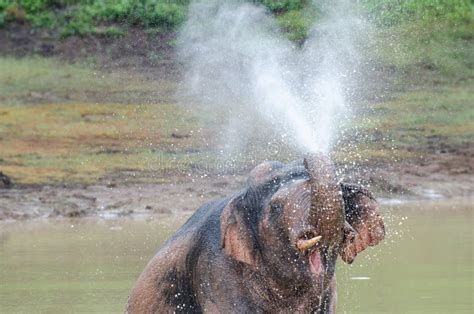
[(62, 123), (69, 123), (82, 143)]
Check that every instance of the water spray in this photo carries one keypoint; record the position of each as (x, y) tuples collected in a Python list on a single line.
[(239, 64)]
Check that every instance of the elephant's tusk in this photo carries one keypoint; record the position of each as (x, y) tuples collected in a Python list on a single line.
[(304, 245)]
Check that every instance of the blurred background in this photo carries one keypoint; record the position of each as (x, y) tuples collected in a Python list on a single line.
[(92, 134)]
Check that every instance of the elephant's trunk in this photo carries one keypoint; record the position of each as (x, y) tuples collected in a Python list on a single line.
[(327, 207)]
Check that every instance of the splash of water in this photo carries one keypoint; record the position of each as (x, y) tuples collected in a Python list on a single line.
[(242, 67)]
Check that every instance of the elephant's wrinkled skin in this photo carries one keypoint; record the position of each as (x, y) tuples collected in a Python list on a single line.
[(271, 247)]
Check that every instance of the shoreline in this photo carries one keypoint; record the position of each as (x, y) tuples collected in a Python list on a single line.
[(179, 196), (389, 204)]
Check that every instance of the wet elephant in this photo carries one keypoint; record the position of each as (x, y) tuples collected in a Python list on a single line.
[(272, 247)]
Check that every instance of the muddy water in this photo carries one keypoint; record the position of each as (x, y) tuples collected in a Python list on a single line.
[(425, 265)]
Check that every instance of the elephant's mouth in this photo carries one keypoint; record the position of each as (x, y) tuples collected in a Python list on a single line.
[(315, 265), (309, 246)]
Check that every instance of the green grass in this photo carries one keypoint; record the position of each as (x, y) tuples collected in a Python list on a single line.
[(296, 24), (389, 12), (445, 112), (41, 80), (446, 51), (407, 126)]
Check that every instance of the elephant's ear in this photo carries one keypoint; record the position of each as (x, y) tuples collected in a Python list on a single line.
[(237, 237), (364, 225)]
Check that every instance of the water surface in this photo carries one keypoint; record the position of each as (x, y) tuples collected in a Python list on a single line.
[(424, 265)]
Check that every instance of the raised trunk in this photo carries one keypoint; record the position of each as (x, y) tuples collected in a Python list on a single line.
[(327, 207)]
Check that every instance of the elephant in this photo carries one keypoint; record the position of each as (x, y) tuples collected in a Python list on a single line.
[(269, 248)]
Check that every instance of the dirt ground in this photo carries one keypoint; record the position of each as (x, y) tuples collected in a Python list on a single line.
[(111, 200), (444, 175)]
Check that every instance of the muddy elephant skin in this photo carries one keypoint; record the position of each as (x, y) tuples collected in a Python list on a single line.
[(272, 247)]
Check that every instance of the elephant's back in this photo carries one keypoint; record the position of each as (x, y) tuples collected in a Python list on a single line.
[(169, 269), (205, 217), (149, 293)]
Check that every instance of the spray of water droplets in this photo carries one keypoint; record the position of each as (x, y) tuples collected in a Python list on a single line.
[(259, 84)]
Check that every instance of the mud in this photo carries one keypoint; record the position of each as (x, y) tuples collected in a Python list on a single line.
[(434, 177), (5, 181), (437, 173), (111, 200)]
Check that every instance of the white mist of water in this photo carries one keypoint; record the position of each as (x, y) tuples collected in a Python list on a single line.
[(239, 64)]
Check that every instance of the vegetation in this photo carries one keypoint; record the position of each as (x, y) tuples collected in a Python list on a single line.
[(65, 122), (433, 34), (80, 125), (38, 80), (83, 142), (82, 17), (415, 120), (76, 124), (389, 12), (75, 17)]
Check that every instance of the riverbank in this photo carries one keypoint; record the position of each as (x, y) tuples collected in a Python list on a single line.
[(429, 181), (78, 141), (87, 119)]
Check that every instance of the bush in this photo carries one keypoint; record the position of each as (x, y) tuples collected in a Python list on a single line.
[(388, 12), (81, 17), (33, 5), (42, 19), (4, 4), (146, 13), (279, 6), (14, 12), (76, 17), (167, 15), (77, 28), (296, 24)]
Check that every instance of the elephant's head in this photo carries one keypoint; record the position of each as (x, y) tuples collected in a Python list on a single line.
[(292, 222)]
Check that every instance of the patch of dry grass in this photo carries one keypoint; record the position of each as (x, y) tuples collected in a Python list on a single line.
[(84, 142), (445, 112)]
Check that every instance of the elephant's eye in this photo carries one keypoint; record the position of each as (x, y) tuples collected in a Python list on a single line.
[(275, 208)]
